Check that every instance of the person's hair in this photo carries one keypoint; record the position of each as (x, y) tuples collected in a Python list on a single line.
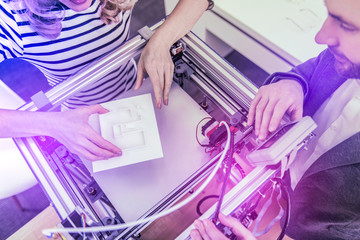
[(45, 16)]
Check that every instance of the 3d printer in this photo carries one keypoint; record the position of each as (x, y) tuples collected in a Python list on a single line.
[(207, 90)]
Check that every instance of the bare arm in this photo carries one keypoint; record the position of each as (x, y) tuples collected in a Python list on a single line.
[(155, 58), (71, 128)]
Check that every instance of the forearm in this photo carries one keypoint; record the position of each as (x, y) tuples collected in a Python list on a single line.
[(25, 124), (181, 20)]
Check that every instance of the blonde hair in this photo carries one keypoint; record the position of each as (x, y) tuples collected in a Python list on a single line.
[(110, 9), (45, 16)]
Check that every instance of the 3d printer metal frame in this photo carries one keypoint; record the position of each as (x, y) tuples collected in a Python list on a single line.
[(228, 89)]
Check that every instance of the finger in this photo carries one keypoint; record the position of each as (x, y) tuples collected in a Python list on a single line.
[(157, 86), (139, 75), (195, 235), (84, 147), (251, 114), (267, 115), (236, 227), (89, 110), (296, 114), (278, 114), (82, 152), (228, 221), (103, 144), (161, 81), (77, 149), (259, 114), (98, 151), (212, 231), (168, 81), (98, 109), (200, 227)]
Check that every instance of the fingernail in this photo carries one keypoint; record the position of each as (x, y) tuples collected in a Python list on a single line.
[(166, 102), (207, 222), (272, 129), (158, 105), (119, 153), (196, 223), (261, 137)]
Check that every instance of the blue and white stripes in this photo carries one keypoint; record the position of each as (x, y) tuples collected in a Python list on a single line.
[(84, 37)]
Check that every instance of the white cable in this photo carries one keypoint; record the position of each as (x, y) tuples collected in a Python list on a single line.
[(50, 231)]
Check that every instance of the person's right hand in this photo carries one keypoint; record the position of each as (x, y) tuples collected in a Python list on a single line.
[(206, 230), (272, 102), (72, 129), (155, 59)]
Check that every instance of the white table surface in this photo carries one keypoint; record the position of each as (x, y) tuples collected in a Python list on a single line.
[(286, 26)]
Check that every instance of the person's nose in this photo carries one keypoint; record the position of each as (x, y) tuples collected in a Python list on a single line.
[(327, 34)]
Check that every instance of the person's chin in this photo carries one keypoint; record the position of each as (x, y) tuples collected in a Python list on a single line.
[(346, 70), (80, 8), (79, 5)]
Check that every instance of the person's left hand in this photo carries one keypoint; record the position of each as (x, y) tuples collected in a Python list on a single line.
[(155, 59), (72, 129), (206, 230)]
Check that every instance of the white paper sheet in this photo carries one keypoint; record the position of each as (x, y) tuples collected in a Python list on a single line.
[(131, 125)]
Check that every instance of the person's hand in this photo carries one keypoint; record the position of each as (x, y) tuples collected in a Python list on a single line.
[(206, 230), (155, 59), (72, 129), (272, 102)]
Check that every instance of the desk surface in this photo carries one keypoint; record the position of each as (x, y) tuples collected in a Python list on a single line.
[(48, 218), (288, 27)]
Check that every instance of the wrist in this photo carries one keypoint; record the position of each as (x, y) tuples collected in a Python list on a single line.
[(163, 38), (48, 123), (277, 76), (294, 85)]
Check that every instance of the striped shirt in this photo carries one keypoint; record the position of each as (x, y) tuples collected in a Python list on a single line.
[(83, 38)]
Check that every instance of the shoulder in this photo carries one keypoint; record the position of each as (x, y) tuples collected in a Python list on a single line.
[(11, 11), (7, 9)]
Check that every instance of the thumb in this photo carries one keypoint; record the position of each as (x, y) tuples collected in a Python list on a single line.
[(236, 226), (296, 114), (97, 109), (226, 220)]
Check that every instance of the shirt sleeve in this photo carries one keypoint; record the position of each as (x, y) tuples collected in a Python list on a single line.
[(303, 73), (307, 69), (11, 45), (277, 76)]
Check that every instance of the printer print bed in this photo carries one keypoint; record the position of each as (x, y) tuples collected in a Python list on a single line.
[(136, 188)]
